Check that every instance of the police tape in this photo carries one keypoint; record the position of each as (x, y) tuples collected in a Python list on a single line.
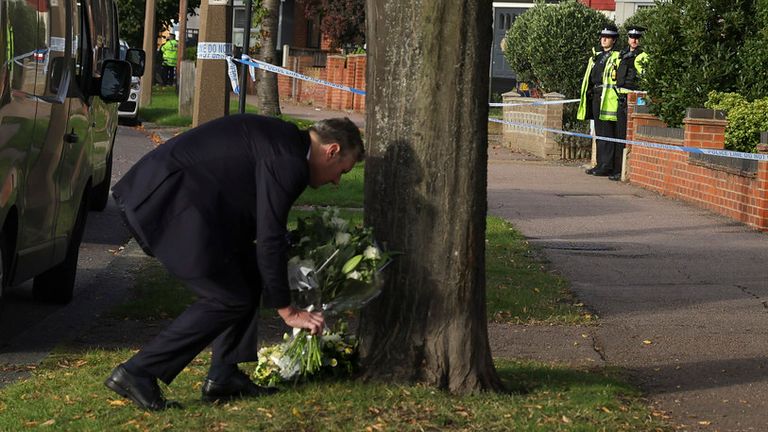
[(253, 63), (282, 71), (713, 152), (514, 104)]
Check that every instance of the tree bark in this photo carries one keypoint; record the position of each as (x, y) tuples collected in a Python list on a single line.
[(269, 100), (425, 192)]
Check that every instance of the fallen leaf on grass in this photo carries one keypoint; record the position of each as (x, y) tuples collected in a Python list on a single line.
[(705, 422), (605, 410), (647, 342), (48, 422), (117, 402), (566, 419)]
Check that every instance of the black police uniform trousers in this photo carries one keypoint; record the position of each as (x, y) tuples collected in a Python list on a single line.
[(225, 314), (606, 150)]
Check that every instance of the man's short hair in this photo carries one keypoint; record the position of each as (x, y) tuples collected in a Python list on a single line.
[(342, 131)]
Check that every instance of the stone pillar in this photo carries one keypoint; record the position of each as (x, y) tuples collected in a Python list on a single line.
[(763, 146), (211, 82), (704, 128)]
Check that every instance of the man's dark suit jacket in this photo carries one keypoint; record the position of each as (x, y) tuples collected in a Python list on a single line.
[(203, 198)]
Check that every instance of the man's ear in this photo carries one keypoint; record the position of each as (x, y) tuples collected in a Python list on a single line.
[(332, 150)]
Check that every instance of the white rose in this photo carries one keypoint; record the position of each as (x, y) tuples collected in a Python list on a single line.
[(342, 238), (354, 275), (372, 253)]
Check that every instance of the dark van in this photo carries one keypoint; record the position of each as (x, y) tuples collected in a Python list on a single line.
[(60, 84)]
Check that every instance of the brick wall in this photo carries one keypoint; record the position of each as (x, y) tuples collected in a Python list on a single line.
[(732, 187), (346, 70)]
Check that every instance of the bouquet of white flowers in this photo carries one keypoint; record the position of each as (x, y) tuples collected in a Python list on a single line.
[(334, 267)]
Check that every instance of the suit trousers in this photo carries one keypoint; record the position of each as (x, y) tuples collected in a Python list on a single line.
[(225, 314), (606, 150)]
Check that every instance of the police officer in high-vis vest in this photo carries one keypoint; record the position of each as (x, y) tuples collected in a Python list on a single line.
[(632, 61), (169, 51), (599, 99)]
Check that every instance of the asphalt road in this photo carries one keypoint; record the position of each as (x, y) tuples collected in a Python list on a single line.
[(29, 329)]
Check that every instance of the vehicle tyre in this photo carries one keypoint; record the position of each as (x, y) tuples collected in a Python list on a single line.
[(57, 284), (100, 193)]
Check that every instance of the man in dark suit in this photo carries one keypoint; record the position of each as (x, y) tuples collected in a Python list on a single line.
[(212, 205)]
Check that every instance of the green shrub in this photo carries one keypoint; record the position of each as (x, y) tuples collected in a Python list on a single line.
[(746, 120), (550, 43), (693, 47)]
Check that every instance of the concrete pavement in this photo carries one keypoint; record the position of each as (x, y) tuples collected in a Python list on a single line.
[(682, 293)]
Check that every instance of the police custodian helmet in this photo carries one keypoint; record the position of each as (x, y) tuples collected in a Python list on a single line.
[(610, 30), (635, 32)]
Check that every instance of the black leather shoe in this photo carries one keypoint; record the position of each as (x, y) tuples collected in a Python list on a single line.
[(144, 392), (235, 387), (601, 173), (615, 177), (591, 171)]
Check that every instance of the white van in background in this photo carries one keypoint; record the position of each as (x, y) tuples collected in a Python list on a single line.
[(60, 83), (128, 111)]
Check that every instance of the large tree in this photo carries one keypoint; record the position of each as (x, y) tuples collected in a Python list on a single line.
[(425, 191), (269, 100)]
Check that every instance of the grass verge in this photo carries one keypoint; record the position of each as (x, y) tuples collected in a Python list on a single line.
[(66, 394)]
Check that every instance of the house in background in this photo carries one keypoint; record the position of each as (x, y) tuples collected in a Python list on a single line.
[(607, 7), (503, 78), (627, 8)]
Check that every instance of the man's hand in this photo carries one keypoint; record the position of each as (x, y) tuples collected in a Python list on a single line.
[(312, 321)]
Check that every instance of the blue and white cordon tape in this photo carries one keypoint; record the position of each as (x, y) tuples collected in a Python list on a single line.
[(714, 152), (276, 69), (253, 63)]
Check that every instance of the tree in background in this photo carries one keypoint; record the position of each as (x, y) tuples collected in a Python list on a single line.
[(425, 192), (550, 43), (695, 47), (132, 17), (342, 21), (753, 55), (269, 100)]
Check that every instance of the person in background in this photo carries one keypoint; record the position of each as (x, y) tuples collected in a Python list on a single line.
[(169, 51), (632, 61), (599, 100)]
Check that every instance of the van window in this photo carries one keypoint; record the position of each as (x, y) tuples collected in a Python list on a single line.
[(24, 42), (52, 55), (82, 48)]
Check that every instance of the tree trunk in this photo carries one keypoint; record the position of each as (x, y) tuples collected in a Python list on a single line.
[(425, 189), (269, 100)]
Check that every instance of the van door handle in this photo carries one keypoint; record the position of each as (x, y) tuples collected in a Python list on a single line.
[(71, 138)]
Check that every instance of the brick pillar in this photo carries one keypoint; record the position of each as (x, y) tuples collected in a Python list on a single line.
[(361, 61), (631, 108), (704, 128), (334, 68)]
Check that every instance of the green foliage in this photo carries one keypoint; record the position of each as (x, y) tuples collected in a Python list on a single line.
[(550, 43), (342, 21), (746, 120), (132, 17), (753, 55), (694, 48)]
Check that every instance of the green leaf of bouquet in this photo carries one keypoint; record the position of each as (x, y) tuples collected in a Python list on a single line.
[(351, 264)]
